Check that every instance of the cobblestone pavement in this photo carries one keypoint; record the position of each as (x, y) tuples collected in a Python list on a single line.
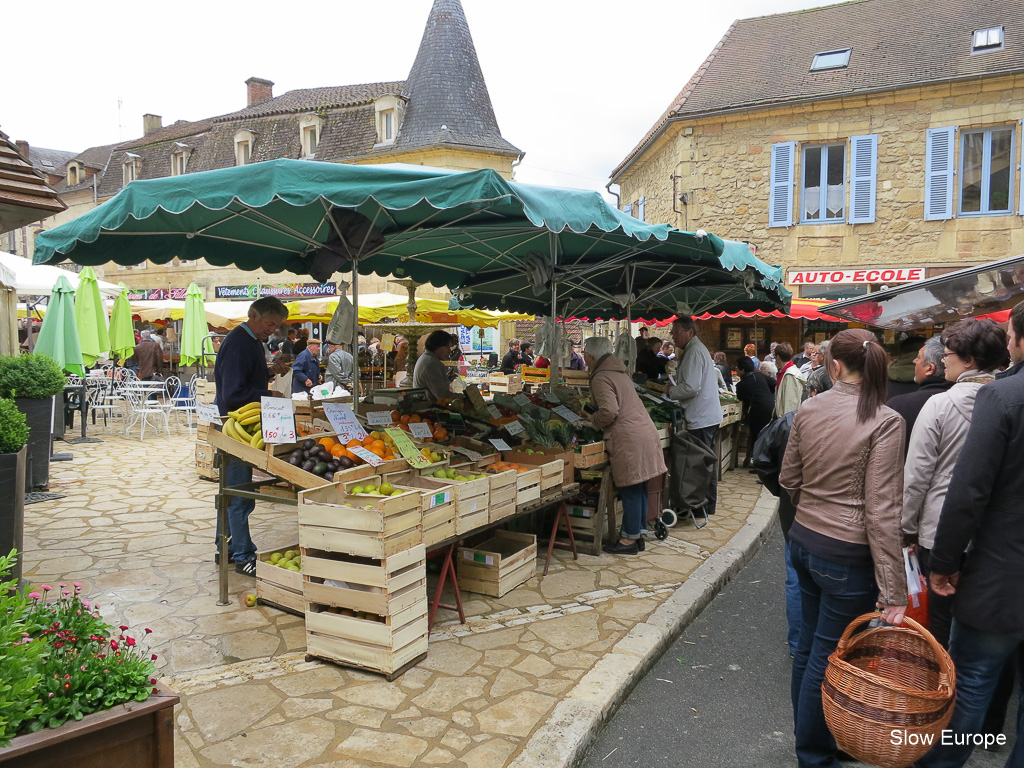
[(524, 683)]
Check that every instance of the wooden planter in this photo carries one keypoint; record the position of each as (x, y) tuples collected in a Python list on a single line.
[(138, 734)]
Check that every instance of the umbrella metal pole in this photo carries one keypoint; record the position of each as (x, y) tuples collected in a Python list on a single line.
[(355, 336)]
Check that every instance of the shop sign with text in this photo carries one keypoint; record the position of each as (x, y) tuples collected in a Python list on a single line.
[(278, 290), (156, 294), (852, 276)]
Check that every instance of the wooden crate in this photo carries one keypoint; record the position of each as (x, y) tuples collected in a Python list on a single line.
[(527, 486), (590, 455), (278, 587), (508, 385), (575, 378), (205, 469), (498, 480), (205, 453), (664, 435), (332, 520), (565, 460), (535, 375), (439, 524), (202, 430), (501, 511), (438, 505), (466, 522), (504, 495), (366, 613), (498, 565)]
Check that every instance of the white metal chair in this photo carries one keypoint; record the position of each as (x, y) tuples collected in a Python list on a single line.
[(141, 407), (181, 398)]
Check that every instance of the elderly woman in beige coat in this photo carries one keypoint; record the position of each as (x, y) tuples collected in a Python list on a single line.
[(631, 436)]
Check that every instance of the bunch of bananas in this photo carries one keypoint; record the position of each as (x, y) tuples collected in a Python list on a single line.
[(244, 425)]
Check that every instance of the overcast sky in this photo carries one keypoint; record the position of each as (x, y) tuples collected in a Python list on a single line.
[(574, 83)]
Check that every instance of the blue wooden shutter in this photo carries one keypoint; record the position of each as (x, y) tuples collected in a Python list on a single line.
[(641, 204), (1020, 170), (939, 173), (780, 204), (863, 175), (627, 209)]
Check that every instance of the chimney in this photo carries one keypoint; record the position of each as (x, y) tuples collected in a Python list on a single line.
[(151, 124), (259, 90), (22, 146)]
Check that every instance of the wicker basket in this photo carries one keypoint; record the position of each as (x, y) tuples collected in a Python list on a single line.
[(888, 679)]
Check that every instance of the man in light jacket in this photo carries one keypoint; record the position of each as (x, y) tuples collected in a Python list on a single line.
[(340, 366), (789, 392), (696, 389)]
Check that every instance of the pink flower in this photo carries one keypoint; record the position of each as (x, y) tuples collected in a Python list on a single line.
[(65, 593), (156, 690), (82, 667), (113, 644), (34, 595), (76, 584), (130, 642), (153, 657), (123, 628), (45, 587), (85, 604), (50, 696), (148, 631), (62, 584)]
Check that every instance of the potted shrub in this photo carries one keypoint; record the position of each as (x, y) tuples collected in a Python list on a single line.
[(13, 436), (76, 691), (33, 381)]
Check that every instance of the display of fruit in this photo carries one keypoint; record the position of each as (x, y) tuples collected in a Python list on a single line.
[(244, 425), (452, 474), (385, 489), (290, 560), (504, 466)]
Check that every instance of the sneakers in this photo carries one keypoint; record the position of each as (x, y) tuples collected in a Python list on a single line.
[(248, 568), (621, 549)]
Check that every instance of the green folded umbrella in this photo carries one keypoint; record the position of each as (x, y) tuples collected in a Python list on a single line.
[(122, 334), (91, 317), (58, 336), (194, 328)]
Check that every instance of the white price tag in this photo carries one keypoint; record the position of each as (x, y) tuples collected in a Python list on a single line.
[(471, 454), (278, 420), (207, 413), (368, 456), (420, 430), (521, 399), (501, 445), (566, 414), (514, 428), (552, 398), (379, 418), (493, 410), (344, 422)]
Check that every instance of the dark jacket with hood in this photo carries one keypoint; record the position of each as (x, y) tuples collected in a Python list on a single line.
[(909, 405)]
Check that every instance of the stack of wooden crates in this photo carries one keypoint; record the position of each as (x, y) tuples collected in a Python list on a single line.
[(364, 579), (205, 393)]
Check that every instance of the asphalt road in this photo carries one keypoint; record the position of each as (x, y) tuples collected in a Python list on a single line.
[(720, 694)]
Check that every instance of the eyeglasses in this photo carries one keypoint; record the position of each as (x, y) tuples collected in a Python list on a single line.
[(947, 354)]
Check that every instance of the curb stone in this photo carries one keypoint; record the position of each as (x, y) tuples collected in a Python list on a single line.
[(563, 740)]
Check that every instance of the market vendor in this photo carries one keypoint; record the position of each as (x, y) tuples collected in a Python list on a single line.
[(243, 377), (306, 368), (631, 438), (430, 372)]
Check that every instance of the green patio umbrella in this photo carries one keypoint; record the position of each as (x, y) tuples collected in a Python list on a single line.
[(194, 327), (58, 336), (91, 317), (122, 334)]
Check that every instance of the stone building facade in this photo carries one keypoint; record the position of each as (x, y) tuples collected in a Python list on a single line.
[(898, 159)]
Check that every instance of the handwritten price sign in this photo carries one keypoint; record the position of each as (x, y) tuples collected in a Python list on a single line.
[(278, 420), (368, 456), (405, 447), (344, 422), (420, 430), (514, 428), (379, 418), (207, 414)]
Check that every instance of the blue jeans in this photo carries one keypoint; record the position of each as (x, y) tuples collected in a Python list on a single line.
[(240, 546), (831, 596), (634, 509), (979, 658), (793, 617)]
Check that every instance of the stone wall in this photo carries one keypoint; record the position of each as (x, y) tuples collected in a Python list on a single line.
[(722, 165)]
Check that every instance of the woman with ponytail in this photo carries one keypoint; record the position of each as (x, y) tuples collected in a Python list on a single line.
[(843, 469)]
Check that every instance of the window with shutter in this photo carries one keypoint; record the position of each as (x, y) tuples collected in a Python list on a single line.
[(641, 205), (628, 209), (1020, 170), (863, 175), (780, 204), (938, 176)]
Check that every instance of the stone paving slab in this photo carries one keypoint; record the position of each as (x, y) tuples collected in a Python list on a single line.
[(525, 682)]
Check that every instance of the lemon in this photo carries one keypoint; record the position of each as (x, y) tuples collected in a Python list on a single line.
[(387, 489)]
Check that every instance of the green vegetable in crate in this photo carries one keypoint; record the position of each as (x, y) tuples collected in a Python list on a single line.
[(539, 433), (588, 435)]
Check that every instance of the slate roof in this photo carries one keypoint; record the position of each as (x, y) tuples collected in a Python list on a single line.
[(311, 99), (49, 160), (93, 158), (24, 194), (446, 87), (894, 44)]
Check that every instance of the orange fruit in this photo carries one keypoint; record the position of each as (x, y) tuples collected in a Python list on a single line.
[(338, 450), (353, 443), (367, 441), (326, 442), (377, 444), (395, 416), (377, 452), (415, 419), (404, 419)]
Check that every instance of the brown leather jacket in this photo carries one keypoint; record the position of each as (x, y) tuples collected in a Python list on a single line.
[(846, 479)]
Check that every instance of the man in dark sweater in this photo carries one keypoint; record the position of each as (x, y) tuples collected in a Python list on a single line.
[(243, 377), (930, 376)]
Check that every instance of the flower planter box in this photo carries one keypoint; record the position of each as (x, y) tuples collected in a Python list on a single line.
[(138, 734)]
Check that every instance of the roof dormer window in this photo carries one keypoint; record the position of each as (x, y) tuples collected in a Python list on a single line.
[(988, 39), (130, 169), (309, 134), (827, 60), (243, 147), (179, 158), (389, 111), (72, 174)]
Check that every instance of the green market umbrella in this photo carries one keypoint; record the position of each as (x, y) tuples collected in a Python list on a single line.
[(58, 337), (448, 229), (91, 317), (194, 327), (122, 334)]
